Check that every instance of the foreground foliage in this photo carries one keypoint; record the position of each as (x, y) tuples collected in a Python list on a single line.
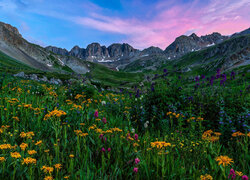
[(59, 132)]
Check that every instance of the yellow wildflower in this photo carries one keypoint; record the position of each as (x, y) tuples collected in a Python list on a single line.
[(224, 160)]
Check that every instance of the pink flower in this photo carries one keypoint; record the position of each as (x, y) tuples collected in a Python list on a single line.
[(136, 137), (104, 120), (103, 149), (96, 114), (244, 177), (135, 170), (101, 136), (109, 149), (137, 160), (232, 173)]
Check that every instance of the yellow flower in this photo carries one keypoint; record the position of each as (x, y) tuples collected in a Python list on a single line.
[(159, 144), (15, 155), (47, 150), (48, 178), (238, 133), (38, 143), (224, 160), (238, 173), (58, 166), (29, 160), (23, 146), (16, 118), (206, 177), (2, 159), (47, 169), (31, 152), (5, 146), (71, 156), (66, 177)]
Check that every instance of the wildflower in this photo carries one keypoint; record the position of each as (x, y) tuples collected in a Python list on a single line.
[(66, 177), (104, 120), (2, 159), (71, 155), (224, 160), (238, 173), (103, 149), (137, 160), (96, 114), (206, 177), (47, 169), (232, 173), (31, 152), (23, 146), (15, 155), (29, 160), (244, 177), (46, 151), (38, 143), (109, 149), (238, 133), (48, 178), (136, 137), (135, 169), (58, 166)]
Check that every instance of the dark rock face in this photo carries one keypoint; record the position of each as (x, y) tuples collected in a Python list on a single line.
[(95, 51), (245, 32), (57, 50), (152, 50), (78, 52), (185, 44)]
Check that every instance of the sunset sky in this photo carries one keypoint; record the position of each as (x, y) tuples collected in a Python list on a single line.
[(141, 23)]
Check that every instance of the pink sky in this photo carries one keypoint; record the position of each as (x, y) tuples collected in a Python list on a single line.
[(225, 17)]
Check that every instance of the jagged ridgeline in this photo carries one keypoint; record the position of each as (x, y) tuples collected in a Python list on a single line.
[(186, 53)]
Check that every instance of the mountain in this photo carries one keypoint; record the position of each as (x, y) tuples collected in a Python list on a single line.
[(247, 31), (97, 53), (231, 53), (13, 45), (185, 44)]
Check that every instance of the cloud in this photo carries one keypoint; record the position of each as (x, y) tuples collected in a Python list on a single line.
[(174, 21)]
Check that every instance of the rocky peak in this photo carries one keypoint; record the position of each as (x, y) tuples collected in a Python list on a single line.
[(78, 52), (57, 50), (94, 49), (8, 27), (152, 50)]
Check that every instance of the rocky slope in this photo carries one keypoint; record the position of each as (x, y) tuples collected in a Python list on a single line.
[(185, 44), (14, 45)]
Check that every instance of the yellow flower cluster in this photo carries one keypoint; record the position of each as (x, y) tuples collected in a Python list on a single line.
[(29, 160), (160, 144), (23, 146), (238, 133), (28, 134), (56, 112), (171, 114), (47, 169), (206, 177), (31, 152), (211, 136), (15, 155), (80, 133), (224, 160), (6, 146)]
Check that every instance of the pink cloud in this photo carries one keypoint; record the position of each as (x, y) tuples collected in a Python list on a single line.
[(174, 20)]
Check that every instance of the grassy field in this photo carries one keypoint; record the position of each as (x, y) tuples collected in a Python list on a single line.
[(177, 129)]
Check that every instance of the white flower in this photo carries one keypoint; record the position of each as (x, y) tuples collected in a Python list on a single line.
[(103, 102), (133, 130)]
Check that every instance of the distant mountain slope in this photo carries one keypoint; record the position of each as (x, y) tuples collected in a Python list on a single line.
[(185, 44), (229, 54)]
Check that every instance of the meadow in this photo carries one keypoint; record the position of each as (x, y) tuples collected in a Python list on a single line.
[(170, 128)]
